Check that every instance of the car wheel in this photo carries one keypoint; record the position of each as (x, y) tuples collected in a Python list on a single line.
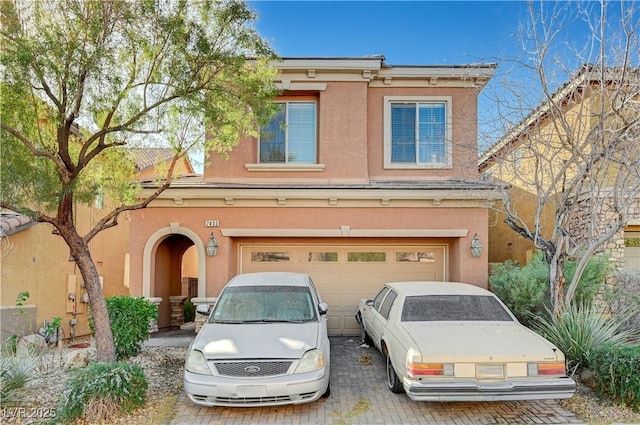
[(328, 392), (394, 384)]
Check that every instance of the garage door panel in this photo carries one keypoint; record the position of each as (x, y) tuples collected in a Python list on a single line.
[(334, 325), (351, 327), (415, 275), (334, 300), (354, 299), (344, 275)]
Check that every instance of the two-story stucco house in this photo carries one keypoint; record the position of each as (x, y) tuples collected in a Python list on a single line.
[(368, 174)]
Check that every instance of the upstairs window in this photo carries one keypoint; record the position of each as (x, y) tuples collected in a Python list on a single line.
[(417, 132), (290, 137)]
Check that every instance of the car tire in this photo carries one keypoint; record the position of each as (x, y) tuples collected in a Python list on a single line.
[(328, 392), (393, 383)]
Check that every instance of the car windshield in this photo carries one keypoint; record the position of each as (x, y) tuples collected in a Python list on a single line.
[(430, 308), (264, 304)]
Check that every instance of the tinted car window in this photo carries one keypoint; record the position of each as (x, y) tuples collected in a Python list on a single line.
[(378, 299), (264, 303), (426, 308), (386, 305)]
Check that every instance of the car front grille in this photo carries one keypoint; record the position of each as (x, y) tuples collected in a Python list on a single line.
[(250, 369)]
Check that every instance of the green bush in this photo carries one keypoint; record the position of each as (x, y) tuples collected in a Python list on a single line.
[(102, 390), (189, 311), (522, 289), (581, 329), (525, 289), (617, 373), (129, 318), (625, 295)]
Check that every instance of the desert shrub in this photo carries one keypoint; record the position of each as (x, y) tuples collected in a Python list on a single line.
[(625, 295), (189, 311), (129, 318), (525, 289), (579, 329), (591, 280), (616, 373), (16, 369), (521, 288), (102, 390)]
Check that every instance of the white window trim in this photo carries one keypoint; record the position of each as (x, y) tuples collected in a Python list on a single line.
[(518, 157), (387, 132), (286, 164)]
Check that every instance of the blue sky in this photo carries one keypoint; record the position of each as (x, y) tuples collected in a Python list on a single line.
[(405, 32)]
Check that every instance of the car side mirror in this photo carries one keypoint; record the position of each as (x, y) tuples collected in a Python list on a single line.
[(203, 309), (369, 303), (323, 308)]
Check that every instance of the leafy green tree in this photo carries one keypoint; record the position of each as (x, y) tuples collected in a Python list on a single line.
[(83, 79)]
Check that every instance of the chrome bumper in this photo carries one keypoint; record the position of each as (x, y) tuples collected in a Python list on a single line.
[(519, 389)]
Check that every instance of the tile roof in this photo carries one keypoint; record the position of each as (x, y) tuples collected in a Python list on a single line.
[(146, 157), (11, 223)]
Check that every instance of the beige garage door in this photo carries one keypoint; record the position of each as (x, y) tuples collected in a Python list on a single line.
[(344, 275)]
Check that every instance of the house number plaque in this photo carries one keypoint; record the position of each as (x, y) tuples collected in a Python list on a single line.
[(212, 223)]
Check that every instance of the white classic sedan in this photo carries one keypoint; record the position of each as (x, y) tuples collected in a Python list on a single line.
[(264, 344), (447, 341)]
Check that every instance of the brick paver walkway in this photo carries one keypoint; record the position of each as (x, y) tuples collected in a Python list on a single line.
[(359, 396)]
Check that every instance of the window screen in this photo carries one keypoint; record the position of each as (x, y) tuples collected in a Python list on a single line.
[(418, 133), (290, 136)]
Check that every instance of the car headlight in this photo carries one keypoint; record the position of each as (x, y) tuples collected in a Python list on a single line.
[(312, 360), (196, 363)]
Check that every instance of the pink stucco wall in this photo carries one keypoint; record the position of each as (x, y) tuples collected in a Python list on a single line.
[(242, 195), (225, 265)]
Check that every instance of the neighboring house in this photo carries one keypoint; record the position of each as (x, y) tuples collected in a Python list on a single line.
[(367, 175), (36, 261), (532, 144)]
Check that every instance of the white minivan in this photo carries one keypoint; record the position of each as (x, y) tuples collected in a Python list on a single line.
[(264, 344)]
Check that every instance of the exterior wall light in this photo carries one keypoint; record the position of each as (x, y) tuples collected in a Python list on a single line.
[(212, 246), (476, 247)]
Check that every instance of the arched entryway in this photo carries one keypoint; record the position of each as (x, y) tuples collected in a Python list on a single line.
[(169, 282), (173, 271)]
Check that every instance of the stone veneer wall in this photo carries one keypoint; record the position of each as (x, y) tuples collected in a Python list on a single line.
[(614, 248), (210, 302), (177, 310)]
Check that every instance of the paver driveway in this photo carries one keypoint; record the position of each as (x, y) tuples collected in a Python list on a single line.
[(359, 396)]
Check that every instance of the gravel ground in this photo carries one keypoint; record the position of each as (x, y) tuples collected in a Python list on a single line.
[(37, 402), (595, 411), (163, 368)]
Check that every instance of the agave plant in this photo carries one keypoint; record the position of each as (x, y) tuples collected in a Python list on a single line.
[(581, 328), (16, 370)]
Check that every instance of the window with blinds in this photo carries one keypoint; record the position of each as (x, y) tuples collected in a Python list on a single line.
[(290, 136), (418, 132)]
